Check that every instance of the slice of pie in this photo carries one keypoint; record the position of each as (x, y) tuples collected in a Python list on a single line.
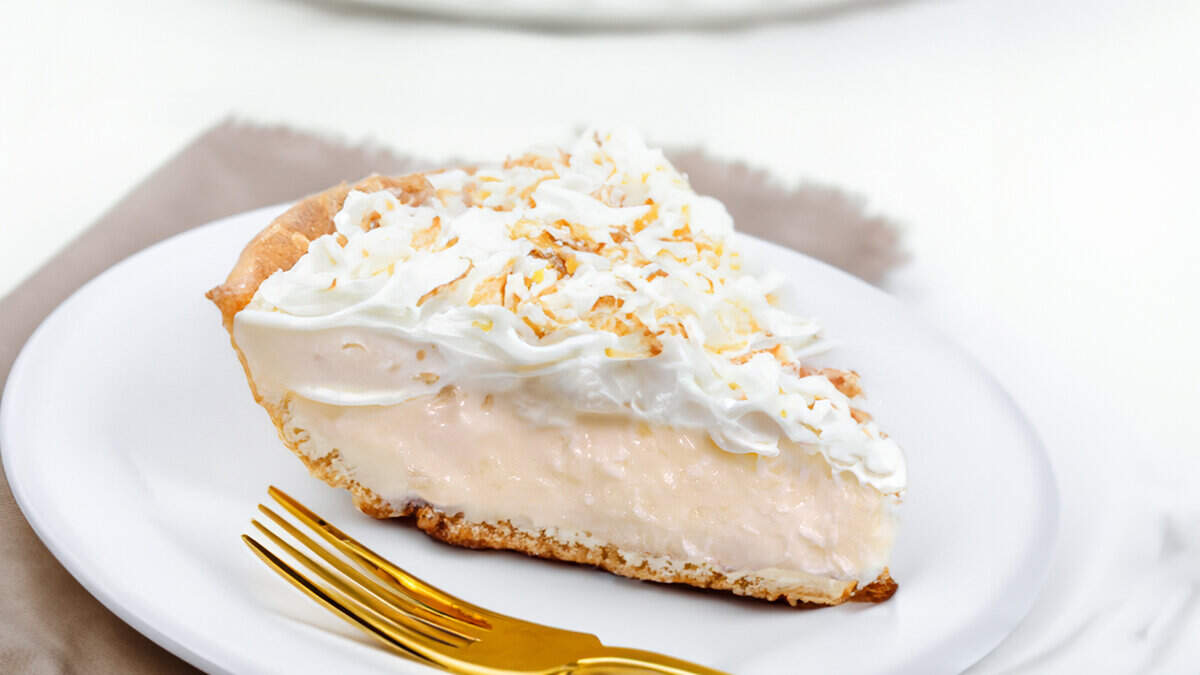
[(564, 356)]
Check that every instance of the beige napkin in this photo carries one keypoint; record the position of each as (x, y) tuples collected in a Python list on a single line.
[(48, 622)]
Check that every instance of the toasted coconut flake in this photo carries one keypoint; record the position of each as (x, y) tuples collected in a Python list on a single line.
[(438, 289), (607, 303), (651, 215), (490, 291), (426, 237)]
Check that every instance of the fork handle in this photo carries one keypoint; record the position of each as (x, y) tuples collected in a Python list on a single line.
[(623, 658)]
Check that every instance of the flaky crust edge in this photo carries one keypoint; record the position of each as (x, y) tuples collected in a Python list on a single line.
[(284, 241)]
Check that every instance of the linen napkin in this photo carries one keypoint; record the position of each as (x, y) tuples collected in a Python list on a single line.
[(48, 622)]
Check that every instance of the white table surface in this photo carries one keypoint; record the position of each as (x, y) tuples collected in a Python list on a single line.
[(1044, 158)]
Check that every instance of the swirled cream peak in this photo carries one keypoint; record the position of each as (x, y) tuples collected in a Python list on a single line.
[(588, 281)]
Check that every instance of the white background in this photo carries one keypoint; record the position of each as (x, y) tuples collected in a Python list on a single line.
[(1043, 157)]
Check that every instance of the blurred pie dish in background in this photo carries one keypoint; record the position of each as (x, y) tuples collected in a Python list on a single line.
[(610, 13), (566, 355)]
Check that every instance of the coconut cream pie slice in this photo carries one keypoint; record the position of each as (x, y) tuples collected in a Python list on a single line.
[(564, 356)]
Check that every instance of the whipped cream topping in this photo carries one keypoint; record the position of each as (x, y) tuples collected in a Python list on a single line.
[(588, 281)]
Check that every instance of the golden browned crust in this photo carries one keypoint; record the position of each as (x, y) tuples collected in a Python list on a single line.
[(286, 240)]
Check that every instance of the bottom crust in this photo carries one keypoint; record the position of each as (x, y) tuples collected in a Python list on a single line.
[(797, 588)]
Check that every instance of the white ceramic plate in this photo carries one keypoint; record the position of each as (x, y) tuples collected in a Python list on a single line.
[(132, 445)]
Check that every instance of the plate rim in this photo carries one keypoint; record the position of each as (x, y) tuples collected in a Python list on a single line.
[(213, 658), (29, 509)]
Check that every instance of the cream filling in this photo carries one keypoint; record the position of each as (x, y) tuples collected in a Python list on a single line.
[(649, 490)]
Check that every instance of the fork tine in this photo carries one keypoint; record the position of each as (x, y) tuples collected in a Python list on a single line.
[(398, 637), (415, 588), (431, 630), (410, 606)]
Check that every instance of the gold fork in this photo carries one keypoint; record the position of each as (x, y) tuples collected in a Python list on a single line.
[(429, 624)]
